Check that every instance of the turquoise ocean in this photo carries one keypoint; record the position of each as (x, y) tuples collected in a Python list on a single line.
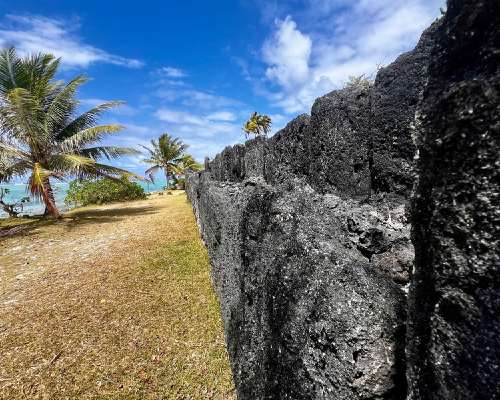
[(19, 190)]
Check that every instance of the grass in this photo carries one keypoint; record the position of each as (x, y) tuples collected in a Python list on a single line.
[(6, 223), (116, 304)]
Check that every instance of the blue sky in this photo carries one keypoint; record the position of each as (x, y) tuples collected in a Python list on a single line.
[(197, 69)]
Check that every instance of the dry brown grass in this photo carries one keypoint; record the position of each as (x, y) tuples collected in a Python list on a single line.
[(113, 302)]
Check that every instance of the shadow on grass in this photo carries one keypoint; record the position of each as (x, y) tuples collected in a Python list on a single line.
[(99, 216), (74, 219)]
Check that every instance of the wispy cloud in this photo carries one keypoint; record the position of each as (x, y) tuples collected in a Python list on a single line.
[(195, 124), (335, 40), (32, 34), (222, 116), (195, 98), (178, 117), (172, 72), (206, 133)]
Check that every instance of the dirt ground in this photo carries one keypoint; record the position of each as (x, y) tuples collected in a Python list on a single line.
[(112, 302)]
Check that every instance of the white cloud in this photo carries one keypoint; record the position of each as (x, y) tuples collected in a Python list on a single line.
[(287, 53), (178, 117), (338, 40), (33, 34), (196, 124), (205, 134), (222, 116), (138, 130), (196, 98), (172, 72)]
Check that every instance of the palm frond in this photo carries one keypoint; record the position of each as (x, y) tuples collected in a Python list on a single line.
[(10, 151), (257, 124), (63, 104), (10, 167), (109, 152), (9, 67), (22, 116), (71, 163), (98, 170), (37, 182), (87, 136), (86, 120), (152, 171)]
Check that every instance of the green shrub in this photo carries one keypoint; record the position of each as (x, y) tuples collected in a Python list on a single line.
[(180, 183), (101, 191)]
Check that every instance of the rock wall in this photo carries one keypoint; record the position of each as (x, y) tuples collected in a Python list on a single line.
[(454, 329), (309, 237)]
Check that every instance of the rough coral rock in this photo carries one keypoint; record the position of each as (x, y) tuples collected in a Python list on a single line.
[(306, 314), (309, 237), (309, 262), (454, 331)]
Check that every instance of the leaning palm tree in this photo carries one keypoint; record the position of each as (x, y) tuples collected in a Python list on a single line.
[(166, 154), (258, 125), (40, 133)]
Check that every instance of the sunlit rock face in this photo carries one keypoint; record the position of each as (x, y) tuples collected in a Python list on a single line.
[(454, 330), (308, 234)]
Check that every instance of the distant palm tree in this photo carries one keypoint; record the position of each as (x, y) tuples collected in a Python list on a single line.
[(166, 154), (41, 135), (189, 164), (258, 125)]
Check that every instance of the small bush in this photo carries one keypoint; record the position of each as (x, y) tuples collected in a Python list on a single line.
[(101, 191), (180, 183)]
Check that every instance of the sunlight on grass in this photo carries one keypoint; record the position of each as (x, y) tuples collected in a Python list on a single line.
[(138, 321)]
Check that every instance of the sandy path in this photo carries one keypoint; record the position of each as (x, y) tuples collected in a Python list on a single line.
[(83, 238)]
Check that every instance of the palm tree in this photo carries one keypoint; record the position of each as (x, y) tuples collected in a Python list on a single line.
[(166, 154), (258, 125), (40, 133), (189, 164)]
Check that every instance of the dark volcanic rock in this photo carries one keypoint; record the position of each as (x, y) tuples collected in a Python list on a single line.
[(454, 331), (287, 151), (338, 142), (306, 314), (310, 246), (310, 275), (394, 101)]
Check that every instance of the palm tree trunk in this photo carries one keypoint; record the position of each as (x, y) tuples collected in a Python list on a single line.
[(49, 201), (166, 177)]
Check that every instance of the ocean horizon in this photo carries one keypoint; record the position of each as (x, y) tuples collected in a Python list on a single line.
[(19, 190)]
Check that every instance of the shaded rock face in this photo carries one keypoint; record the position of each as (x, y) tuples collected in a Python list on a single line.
[(307, 315), (394, 102), (454, 330), (309, 237)]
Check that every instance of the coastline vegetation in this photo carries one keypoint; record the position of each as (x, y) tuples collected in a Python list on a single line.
[(168, 154), (11, 209), (102, 191), (41, 133)]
